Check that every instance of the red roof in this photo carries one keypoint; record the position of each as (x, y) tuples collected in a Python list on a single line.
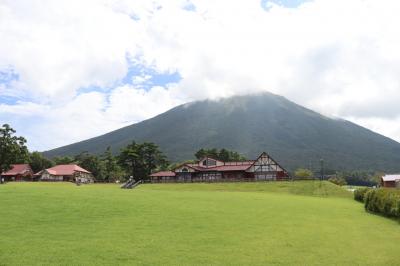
[(18, 169), (66, 169), (163, 173), (226, 167), (391, 178), (229, 166)]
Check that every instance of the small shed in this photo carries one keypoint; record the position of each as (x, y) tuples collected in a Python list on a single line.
[(390, 181), (18, 172)]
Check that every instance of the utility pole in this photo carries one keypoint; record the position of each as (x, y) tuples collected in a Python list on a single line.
[(322, 169)]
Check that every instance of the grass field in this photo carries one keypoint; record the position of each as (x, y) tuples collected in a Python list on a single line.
[(284, 223)]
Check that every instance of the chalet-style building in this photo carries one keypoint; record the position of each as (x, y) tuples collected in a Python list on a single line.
[(18, 172), (390, 181), (66, 172), (212, 170)]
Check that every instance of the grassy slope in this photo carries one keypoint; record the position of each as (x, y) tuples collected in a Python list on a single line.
[(43, 223), (306, 188)]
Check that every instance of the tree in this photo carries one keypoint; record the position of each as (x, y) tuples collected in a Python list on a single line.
[(64, 160), (139, 160), (376, 177), (12, 148), (153, 158), (92, 163), (172, 166), (112, 171), (222, 154), (361, 178), (303, 173), (201, 154), (340, 181), (129, 159), (38, 162)]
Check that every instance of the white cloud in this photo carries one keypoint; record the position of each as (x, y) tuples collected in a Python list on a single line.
[(57, 47), (385, 126), (87, 114), (141, 79), (129, 104), (338, 57)]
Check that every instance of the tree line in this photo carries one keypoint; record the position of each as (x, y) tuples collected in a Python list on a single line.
[(138, 160), (354, 178)]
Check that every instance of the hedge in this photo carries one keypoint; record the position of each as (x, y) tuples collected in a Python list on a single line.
[(383, 201), (359, 193)]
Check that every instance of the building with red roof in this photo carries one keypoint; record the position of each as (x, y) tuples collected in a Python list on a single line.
[(390, 181), (18, 172), (209, 170), (66, 172)]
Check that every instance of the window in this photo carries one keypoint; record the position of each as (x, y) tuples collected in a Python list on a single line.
[(210, 176), (265, 168), (185, 170), (265, 176), (209, 162)]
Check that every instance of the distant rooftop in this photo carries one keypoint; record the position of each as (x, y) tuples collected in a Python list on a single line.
[(17, 169), (66, 169), (391, 177)]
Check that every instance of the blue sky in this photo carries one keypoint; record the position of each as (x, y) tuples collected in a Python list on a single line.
[(7, 76), (286, 3), (140, 76), (93, 68)]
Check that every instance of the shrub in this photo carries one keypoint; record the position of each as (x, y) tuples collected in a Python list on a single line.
[(383, 201), (340, 181), (359, 194), (303, 174)]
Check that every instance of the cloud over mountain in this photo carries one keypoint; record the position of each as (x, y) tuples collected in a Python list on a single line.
[(94, 66)]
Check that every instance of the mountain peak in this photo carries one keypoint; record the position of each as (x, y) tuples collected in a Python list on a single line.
[(250, 124)]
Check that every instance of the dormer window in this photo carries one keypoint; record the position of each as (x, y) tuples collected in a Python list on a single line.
[(209, 162)]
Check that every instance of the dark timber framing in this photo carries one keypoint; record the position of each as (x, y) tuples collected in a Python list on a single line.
[(264, 168)]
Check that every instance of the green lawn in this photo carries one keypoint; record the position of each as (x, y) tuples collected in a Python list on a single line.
[(283, 223)]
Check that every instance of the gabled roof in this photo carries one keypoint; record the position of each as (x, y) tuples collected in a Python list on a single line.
[(240, 162), (266, 154), (226, 167), (195, 166), (391, 177), (211, 158), (223, 168), (66, 169), (18, 169), (189, 165)]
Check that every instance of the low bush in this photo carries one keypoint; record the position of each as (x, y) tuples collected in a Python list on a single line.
[(383, 201), (340, 181), (360, 192)]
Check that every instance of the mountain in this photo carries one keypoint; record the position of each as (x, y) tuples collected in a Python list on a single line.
[(293, 135)]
